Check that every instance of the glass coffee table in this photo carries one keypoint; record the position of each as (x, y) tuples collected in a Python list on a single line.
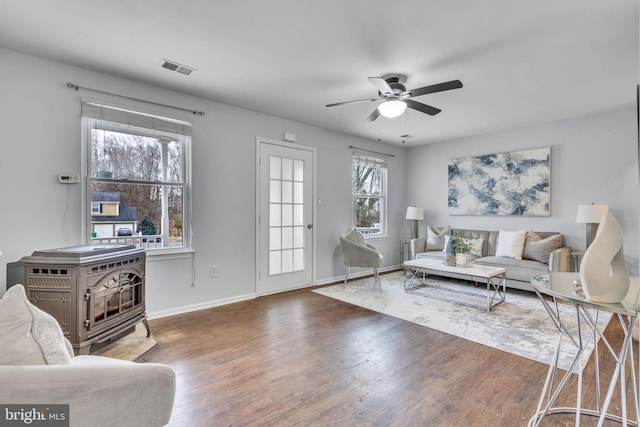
[(493, 276)]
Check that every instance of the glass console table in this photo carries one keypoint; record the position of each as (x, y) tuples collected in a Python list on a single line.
[(562, 287)]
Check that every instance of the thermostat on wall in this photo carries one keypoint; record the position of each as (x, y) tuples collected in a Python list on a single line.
[(68, 178)]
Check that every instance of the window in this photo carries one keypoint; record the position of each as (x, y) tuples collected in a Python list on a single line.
[(137, 175), (369, 189)]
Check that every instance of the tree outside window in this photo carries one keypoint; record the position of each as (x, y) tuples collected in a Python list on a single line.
[(369, 187), (141, 174)]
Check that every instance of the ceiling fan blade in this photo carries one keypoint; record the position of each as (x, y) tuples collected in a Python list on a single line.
[(373, 116), (453, 84), (352, 102), (381, 85), (424, 108)]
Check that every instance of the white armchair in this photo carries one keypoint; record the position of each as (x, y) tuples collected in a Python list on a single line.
[(99, 391), (358, 253), (37, 366)]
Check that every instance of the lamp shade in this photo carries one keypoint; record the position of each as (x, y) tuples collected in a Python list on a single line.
[(415, 213), (392, 108), (591, 214)]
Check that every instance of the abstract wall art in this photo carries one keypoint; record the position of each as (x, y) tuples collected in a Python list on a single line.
[(513, 183)]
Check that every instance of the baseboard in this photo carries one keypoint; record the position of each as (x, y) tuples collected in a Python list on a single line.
[(199, 306), (225, 301), (357, 275)]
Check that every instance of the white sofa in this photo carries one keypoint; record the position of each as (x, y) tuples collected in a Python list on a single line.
[(518, 271), (37, 366)]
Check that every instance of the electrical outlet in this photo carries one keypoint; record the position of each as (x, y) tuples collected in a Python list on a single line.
[(213, 271)]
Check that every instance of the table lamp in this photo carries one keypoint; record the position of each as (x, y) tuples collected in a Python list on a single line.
[(591, 215), (414, 214)]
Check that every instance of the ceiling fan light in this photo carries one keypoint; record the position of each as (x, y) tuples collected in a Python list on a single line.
[(391, 109)]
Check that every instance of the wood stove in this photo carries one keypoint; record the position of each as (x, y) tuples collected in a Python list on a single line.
[(96, 292)]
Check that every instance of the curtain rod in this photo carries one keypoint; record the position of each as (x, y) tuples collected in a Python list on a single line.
[(76, 87), (371, 151)]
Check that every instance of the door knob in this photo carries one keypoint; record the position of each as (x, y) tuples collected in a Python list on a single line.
[(309, 226)]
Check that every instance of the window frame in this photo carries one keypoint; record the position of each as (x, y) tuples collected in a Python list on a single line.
[(98, 206), (373, 161), (89, 123)]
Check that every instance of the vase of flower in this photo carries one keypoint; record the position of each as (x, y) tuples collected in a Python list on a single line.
[(461, 247), (461, 260)]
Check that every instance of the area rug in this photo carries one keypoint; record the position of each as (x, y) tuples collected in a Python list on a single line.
[(519, 326)]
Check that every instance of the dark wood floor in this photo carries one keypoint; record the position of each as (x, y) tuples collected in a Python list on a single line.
[(303, 359)]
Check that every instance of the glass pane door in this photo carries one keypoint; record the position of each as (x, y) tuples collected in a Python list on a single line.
[(286, 215), (284, 222)]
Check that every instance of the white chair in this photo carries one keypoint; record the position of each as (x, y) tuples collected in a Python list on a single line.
[(358, 253), (37, 366)]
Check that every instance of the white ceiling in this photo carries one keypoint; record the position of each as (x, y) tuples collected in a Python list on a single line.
[(521, 62)]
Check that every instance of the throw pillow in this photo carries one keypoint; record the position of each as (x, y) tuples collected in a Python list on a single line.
[(49, 336), (436, 237), (539, 249), (26, 339), (511, 243), (17, 345), (532, 236), (355, 236), (475, 246)]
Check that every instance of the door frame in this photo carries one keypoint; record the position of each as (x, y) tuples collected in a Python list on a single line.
[(286, 145)]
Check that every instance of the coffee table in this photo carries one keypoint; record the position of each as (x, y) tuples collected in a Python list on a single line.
[(494, 277)]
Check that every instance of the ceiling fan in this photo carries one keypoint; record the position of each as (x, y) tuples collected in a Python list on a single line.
[(397, 98)]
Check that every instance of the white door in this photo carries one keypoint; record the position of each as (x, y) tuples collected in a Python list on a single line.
[(103, 230), (285, 250)]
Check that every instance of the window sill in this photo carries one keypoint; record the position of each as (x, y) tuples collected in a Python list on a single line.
[(376, 237), (169, 253)]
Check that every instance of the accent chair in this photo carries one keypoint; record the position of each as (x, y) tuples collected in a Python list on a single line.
[(358, 253)]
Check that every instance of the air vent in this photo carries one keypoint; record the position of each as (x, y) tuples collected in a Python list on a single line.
[(184, 70), (179, 68), (170, 66)]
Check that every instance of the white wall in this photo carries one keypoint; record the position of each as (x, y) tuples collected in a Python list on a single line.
[(593, 159), (41, 138)]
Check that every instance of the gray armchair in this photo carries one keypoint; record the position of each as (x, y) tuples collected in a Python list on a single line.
[(358, 253)]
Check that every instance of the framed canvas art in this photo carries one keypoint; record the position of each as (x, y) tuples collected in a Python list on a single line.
[(513, 183)]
